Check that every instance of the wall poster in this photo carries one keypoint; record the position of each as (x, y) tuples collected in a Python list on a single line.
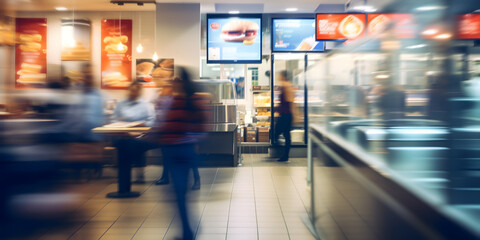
[(116, 53), (31, 53), (150, 72)]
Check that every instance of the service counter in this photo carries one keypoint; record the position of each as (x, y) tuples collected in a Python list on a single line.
[(217, 149), (356, 196)]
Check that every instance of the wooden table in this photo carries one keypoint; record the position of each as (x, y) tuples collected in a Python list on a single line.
[(124, 168)]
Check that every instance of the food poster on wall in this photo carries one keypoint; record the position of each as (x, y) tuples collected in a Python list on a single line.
[(76, 40), (31, 52), (234, 40), (116, 53), (150, 72), (292, 35), (340, 26), (404, 26)]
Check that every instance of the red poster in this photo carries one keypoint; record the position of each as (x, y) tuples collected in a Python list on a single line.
[(404, 24), (340, 26), (31, 52), (468, 26), (116, 53)]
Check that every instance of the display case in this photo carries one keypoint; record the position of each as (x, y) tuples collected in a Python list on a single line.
[(397, 147)]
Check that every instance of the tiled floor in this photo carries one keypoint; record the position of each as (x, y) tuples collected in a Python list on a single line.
[(260, 200)]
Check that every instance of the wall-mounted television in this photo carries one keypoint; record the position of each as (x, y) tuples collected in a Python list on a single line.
[(234, 38), (295, 35)]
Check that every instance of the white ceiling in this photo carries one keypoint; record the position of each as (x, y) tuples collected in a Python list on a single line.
[(270, 6)]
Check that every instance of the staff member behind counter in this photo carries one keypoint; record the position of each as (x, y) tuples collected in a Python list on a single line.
[(135, 109)]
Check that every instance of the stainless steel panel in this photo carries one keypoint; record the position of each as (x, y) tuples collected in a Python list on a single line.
[(224, 113)]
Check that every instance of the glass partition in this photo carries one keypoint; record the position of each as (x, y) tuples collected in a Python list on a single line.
[(294, 64), (411, 104)]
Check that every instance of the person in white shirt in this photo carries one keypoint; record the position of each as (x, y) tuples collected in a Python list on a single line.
[(135, 109)]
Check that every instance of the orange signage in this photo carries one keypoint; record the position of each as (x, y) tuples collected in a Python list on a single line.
[(403, 24), (116, 53), (31, 52), (468, 26), (340, 26)]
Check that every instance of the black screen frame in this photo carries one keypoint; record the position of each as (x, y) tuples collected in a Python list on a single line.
[(224, 16)]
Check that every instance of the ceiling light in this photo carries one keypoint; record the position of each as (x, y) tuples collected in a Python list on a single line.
[(155, 57), (382, 76), (430, 8), (140, 48), (61, 8), (291, 9), (364, 8), (430, 32), (417, 46), (234, 12), (443, 36)]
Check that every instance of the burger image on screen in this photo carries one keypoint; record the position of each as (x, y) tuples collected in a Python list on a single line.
[(240, 31)]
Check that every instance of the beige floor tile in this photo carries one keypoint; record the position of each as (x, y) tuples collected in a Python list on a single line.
[(212, 230), (305, 237), (240, 230), (242, 236), (274, 237), (211, 237), (117, 236)]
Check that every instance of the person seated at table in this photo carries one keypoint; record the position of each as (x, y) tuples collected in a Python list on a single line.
[(134, 108)]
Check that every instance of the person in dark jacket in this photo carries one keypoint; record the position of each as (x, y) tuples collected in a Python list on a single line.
[(176, 133)]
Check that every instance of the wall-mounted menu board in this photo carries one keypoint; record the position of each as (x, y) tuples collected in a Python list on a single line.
[(468, 26), (31, 52), (339, 27), (234, 38), (404, 26), (116, 53), (295, 35)]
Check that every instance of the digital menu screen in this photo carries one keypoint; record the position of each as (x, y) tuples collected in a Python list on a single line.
[(335, 27), (234, 39), (295, 35), (404, 26), (468, 26)]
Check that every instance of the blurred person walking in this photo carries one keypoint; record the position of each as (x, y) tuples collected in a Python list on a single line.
[(176, 132), (164, 99), (286, 111)]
